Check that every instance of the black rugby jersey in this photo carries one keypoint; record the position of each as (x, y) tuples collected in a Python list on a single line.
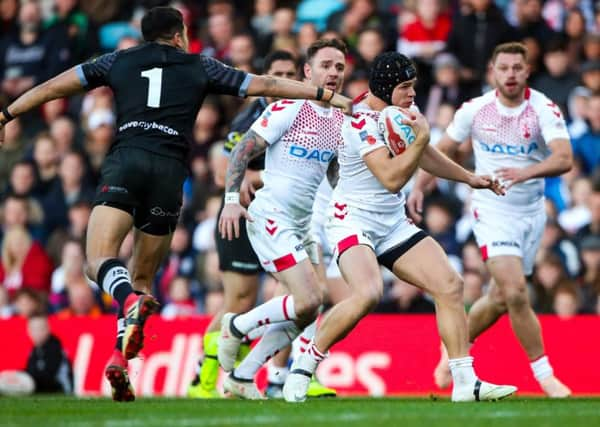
[(158, 90)]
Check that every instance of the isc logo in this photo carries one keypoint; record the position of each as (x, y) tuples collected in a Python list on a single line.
[(324, 156)]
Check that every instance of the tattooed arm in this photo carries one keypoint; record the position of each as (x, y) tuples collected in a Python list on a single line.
[(249, 147)]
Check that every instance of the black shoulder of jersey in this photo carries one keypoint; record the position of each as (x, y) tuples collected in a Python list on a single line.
[(245, 118), (96, 70)]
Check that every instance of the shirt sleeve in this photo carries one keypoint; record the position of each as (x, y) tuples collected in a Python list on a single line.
[(460, 127), (94, 73), (364, 134), (225, 80), (276, 120), (552, 122)]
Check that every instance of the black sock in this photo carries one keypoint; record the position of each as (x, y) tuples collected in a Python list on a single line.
[(115, 280)]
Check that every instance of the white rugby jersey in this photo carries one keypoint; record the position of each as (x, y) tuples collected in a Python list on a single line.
[(357, 186), (303, 138), (509, 137), (321, 203)]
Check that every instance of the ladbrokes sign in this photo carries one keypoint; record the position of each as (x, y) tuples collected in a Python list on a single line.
[(385, 355)]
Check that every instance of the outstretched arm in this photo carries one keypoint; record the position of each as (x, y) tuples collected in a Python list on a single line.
[(65, 84), (424, 179), (277, 87), (437, 163), (250, 146)]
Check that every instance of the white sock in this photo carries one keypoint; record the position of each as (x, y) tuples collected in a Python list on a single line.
[(275, 338), (277, 374), (302, 342), (278, 309), (541, 368), (256, 333), (314, 352), (462, 370)]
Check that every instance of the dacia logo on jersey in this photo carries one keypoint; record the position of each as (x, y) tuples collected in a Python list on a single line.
[(324, 156), (511, 150)]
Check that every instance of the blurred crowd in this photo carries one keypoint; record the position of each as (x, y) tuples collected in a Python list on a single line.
[(50, 161)]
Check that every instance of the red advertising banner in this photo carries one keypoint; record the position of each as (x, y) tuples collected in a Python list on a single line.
[(385, 355)]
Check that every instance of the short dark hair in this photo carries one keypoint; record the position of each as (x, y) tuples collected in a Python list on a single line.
[(17, 197), (161, 23), (322, 44), (511, 47), (277, 55), (556, 44)]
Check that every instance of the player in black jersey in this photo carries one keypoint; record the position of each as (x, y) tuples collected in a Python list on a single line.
[(158, 88), (237, 259)]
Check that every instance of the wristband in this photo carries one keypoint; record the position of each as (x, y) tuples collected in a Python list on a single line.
[(332, 95), (320, 93), (232, 198), (7, 116)]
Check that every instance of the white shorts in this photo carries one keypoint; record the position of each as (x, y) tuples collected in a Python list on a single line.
[(501, 233), (278, 241), (389, 235), (320, 237)]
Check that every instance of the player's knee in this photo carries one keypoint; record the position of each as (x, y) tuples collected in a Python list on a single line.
[(516, 297), (451, 292), (369, 296), (307, 307)]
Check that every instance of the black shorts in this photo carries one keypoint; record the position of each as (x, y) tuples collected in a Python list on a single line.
[(146, 185), (237, 255)]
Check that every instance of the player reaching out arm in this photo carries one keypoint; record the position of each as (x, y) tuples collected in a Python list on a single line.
[(158, 89)]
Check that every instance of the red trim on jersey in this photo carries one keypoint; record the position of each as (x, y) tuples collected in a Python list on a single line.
[(360, 98), (345, 244), (284, 262), (285, 313), (484, 253), (527, 92), (304, 340)]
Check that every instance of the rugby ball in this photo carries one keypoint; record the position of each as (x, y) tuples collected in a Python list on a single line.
[(397, 136), (16, 383)]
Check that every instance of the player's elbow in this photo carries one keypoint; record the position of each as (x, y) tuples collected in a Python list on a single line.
[(566, 161), (394, 183)]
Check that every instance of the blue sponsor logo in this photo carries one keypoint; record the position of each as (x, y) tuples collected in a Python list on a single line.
[(511, 150), (408, 134), (324, 156)]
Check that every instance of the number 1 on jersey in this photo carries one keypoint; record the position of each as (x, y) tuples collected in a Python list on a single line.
[(154, 76)]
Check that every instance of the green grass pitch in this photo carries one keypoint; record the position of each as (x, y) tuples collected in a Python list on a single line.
[(515, 412)]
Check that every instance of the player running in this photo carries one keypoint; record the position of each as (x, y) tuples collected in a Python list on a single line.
[(520, 136), (237, 261), (158, 88), (300, 138), (367, 227)]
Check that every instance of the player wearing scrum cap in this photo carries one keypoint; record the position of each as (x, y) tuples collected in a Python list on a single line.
[(367, 228)]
